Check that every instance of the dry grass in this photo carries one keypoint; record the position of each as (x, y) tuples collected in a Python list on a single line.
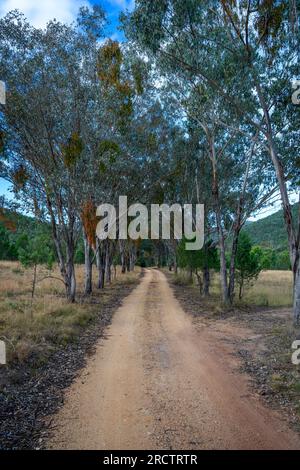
[(272, 288), (51, 321)]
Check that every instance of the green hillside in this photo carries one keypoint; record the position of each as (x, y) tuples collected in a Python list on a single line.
[(16, 229), (270, 232)]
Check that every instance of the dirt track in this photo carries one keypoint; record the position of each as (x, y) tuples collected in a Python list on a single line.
[(158, 382)]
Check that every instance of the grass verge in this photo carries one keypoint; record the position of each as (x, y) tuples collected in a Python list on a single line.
[(46, 351)]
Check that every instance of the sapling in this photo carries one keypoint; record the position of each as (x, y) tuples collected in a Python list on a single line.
[(33, 252)]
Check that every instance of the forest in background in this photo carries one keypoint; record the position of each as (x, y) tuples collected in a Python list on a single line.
[(268, 233)]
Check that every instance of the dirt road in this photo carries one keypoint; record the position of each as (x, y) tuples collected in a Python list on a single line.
[(158, 382)]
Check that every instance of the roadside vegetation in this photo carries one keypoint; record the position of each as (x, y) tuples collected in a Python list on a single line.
[(34, 329), (270, 289), (196, 106)]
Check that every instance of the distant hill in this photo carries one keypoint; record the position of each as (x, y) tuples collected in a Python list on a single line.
[(270, 232), (13, 228), (16, 222)]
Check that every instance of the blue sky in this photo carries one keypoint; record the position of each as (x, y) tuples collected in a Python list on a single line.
[(40, 12), (113, 9)]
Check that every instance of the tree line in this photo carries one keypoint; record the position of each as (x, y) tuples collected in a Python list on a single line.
[(195, 107)]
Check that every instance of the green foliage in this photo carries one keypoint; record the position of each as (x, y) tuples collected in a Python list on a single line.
[(269, 21), (248, 262), (102, 167), (270, 235), (2, 142), (19, 241), (270, 232), (79, 253), (138, 73), (110, 149), (152, 142), (34, 251), (92, 21), (283, 260), (20, 177), (193, 260), (73, 150), (7, 249), (125, 111), (109, 62), (275, 259), (146, 256)]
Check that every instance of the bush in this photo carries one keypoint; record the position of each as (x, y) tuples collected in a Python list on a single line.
[(248, 262)]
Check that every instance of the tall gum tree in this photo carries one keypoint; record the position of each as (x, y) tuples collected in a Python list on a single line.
[(247, 53), (49, 74)]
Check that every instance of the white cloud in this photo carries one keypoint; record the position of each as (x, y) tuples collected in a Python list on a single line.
[(123, 4), (40, 12)]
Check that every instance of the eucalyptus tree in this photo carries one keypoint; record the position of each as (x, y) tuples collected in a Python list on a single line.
[(146, 141), (225, 162), (266, 36), (48, 74), (231, 187), (122, 86), (246, 53)]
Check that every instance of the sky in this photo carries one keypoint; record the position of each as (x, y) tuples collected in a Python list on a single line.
[(40, 12)]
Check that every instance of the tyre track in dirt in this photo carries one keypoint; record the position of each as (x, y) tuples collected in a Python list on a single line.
[(158, 382)]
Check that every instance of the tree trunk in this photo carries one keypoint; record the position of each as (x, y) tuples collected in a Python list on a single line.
[(88, 266), (296, 304), (223, 272), (206, 281), (101, 283), (293, 236), (67, 268), (132, 258), (174, 257), (123, 263), (234, 248), (293, 239), (175, 266), (57, 243), (237, 227), (241, 289), (200, 283), (127, 263), (217, 209), (33, 288), (100, 266), (123, 257), (71, 282), (223, 268), (107, 264)]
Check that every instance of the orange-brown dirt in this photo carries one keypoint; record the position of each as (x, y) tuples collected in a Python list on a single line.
[(160, 382)]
